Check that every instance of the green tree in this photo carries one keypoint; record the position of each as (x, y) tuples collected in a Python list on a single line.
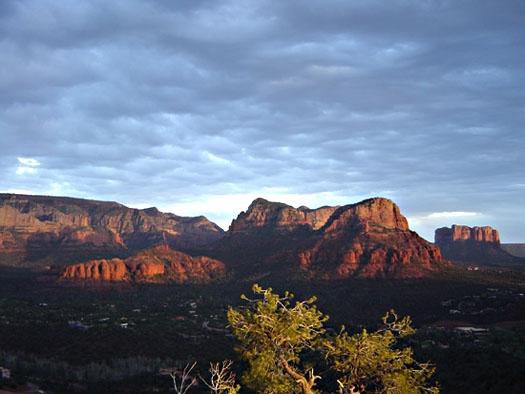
[(273, 333), (370, 362)]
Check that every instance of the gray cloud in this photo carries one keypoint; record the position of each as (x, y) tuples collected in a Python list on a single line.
[(200, 105)]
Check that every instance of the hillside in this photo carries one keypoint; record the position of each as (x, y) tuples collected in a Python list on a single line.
[(70, 228), (517, 250)]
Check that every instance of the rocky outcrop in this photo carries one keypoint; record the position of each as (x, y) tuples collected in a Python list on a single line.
[(368, 239), (473, 245), (38, 226), (263, 214), (159, 263), (105, 270), (465, 233)]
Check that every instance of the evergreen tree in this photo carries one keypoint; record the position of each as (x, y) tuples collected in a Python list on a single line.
[(275, 334)]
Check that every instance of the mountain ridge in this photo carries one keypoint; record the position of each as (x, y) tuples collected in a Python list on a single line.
[(67, 227), (333, 242), (370, 238)]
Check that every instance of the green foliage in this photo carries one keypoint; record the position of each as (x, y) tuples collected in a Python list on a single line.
[(370, 361), (275, 333)]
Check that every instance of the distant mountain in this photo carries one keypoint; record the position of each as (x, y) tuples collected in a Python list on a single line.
[(368, 239), (70, 228), (473, 245), (267, 231), (263, 214), (517, 250), (159, 263)]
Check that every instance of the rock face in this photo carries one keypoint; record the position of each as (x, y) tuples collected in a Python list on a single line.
[(265, 229), (473, 245), (464, 233), (368, 239), (263, 214), (106, 270), (38, 226), (159, 263)]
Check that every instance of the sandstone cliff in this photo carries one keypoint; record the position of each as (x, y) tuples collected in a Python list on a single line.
[(466, 233), (263, 214), (159, 263), (37, 226), (369, 239), (473, 245)]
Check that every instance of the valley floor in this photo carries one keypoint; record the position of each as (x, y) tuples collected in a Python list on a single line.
[(115, 338)]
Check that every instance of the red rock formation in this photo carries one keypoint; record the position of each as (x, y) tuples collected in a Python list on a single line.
[(379, 212), (473, 245), (69, 227), (159, 262), (265, 214), (368, 239), (465, 233), (144, 267), (9, 243), (104, 270)]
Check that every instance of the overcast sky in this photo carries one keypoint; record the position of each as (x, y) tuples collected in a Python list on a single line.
[(197, 107)]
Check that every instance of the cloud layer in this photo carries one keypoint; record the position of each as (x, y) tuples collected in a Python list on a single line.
[(198, 106)]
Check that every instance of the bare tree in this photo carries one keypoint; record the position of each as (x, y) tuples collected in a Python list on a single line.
[(182, 379), (222, 380), (346, 390)]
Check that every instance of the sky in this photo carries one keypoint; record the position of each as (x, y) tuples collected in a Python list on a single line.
[(198, 107)]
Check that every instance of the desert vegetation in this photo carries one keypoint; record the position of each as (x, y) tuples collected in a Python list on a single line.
[(128, 333), (287, 349)]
